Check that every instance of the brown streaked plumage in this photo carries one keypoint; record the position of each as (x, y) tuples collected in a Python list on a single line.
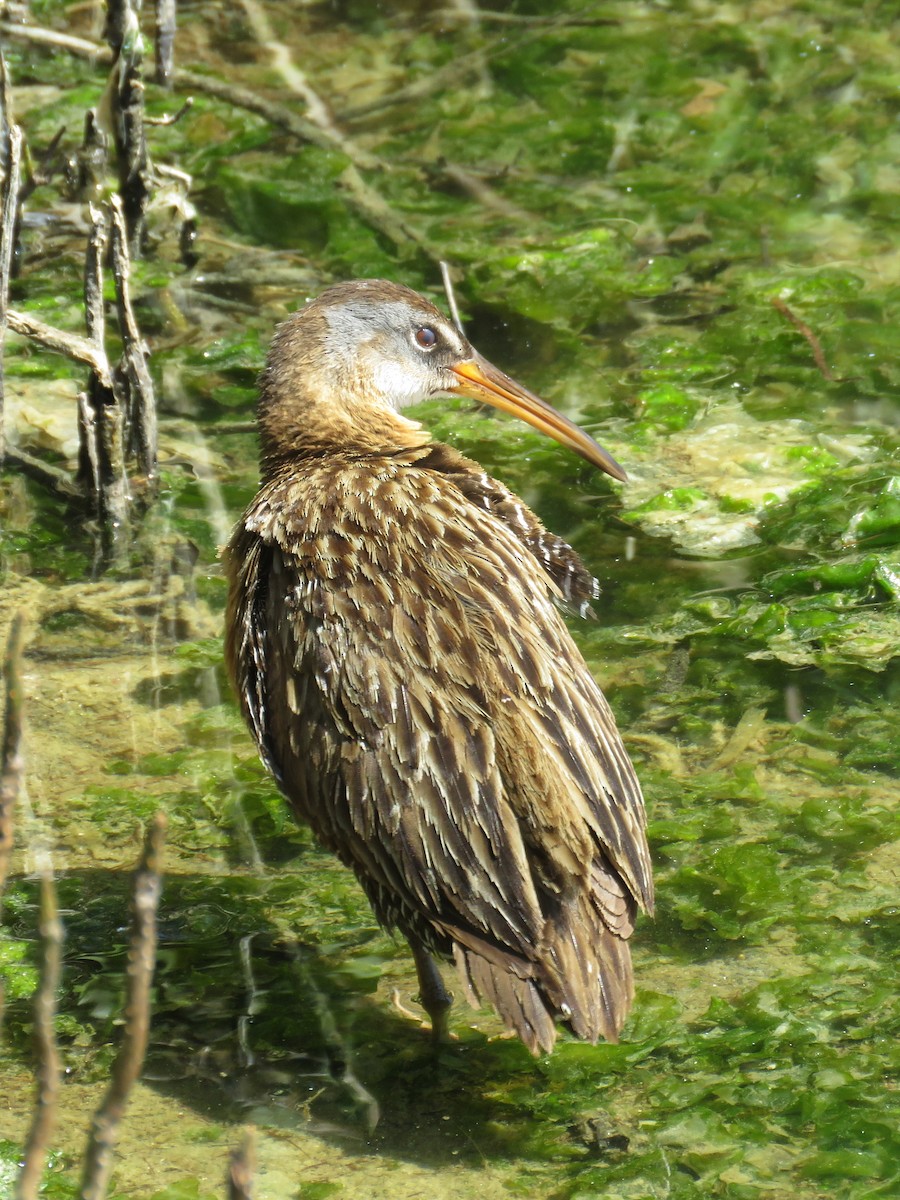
[(394, 636)]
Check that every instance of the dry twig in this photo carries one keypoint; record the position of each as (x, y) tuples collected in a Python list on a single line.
[(170, 119), (475, 186), (9, 223), (561, 20), (165, 42), (129, 1061), (135, 174), (12, 762), (367, 202), (142, 426), (101, 467), (71, 345), (241, 1168), (451, 297), (52, 38), (296, 81), (48, 1068), (814, 343), (53, 478)]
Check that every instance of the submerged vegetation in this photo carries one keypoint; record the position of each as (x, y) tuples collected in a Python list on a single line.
[(678, 223)]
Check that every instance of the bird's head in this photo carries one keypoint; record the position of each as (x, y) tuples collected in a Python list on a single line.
[(341, 370)]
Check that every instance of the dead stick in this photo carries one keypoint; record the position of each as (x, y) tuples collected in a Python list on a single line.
[(295, 79), (5, 92), (57, 41), (814, 343), (94, 312), (135, 174), (53, 478), (451, 297), (241, 1168), (133, 366), (375, 211), (165, 42), (361, 196), (71, 345), (12, 763), (565, 20), (9, 222), (470, 183), (170, 119), (462, 66), (275, 114), (48, 1068), (101, 425), (130, 1059)]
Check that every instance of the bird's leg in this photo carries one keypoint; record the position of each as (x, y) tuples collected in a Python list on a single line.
[(433, 996)]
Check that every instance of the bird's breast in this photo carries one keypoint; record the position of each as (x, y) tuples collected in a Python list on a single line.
[(381, 521)]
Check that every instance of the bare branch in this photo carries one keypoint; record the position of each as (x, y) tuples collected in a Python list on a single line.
[(133, 160), (562, 20), (48, 1068), (6, 106), (241, 1169), (12, 763), (165, 42), (9, 223), (53, 478), (129, 1061), (170, 119), (814, 344), (469, 182), (451, 297), (101, 458), (375, 211), (296, 81), (37, 35), (133, 366), (71, 345)]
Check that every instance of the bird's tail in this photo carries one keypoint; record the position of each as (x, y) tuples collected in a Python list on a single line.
[(517, 999), (579, 974)]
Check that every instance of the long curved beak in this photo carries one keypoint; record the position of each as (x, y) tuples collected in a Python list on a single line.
[(482, 381)]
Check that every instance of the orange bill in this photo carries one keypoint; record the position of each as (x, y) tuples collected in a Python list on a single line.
[(482, 381)]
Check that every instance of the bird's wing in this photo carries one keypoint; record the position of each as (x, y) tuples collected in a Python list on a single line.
[(420, 700), (557, 559)]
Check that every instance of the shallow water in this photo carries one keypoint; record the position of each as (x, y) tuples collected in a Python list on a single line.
[(626, 198)]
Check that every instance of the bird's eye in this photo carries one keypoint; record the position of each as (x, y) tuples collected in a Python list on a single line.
[(426, 338)]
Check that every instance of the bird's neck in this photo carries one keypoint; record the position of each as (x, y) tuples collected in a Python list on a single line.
[(301, 428)]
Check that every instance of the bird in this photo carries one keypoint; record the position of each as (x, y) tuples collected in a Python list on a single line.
[(395, 634)]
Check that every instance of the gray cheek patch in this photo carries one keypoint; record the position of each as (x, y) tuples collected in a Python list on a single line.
[(378, 345)]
